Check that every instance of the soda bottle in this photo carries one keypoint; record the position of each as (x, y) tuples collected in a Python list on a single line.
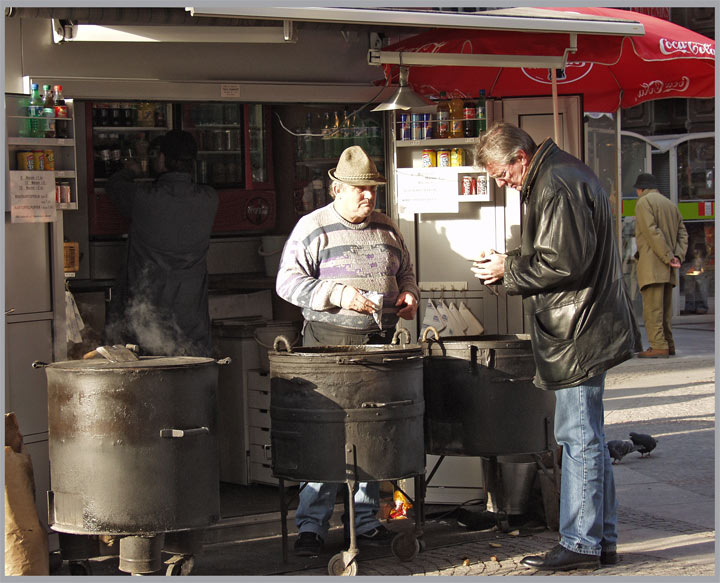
[(443, 117), (348, 135), (48, 112), (35, 112), (456, 118), (335, 136), (469, 119), (326, 142), (481, 112), (62, 125), (307, 140)]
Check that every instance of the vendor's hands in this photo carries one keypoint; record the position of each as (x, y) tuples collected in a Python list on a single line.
[(409, 306), (353, 300), (490, 268), (675, 262)]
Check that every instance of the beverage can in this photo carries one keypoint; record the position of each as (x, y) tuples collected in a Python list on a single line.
[(405, 133), (473, 186), (416, 126), (64, 192), (443, 158), (57, 192), (467, 185), (26, 161), (39, 157), (457, 157), (428, 133), (482, 185), (49, 160), (429, 158)]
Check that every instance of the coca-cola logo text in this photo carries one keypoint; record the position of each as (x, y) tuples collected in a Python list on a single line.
[(257, 211), (670, 47), (657, 87)]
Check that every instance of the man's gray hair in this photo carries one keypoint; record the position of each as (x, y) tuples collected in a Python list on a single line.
[(501, 143)]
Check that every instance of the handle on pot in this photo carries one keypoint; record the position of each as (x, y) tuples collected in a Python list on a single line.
[(264, 253), (184, 432), (289, 344), (371, 405), (223, 361), (430, 329), (278, 340), (398, 333), (374, 359), (40, 364)]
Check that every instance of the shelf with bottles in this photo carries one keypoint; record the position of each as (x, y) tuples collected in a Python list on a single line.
[(29, 150), (327, 134), (130, 116)]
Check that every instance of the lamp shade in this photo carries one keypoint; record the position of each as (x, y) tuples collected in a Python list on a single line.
[(404, 97)]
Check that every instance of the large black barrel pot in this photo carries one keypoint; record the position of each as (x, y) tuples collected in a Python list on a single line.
[(480, 399), (338, 409), (133, 445)]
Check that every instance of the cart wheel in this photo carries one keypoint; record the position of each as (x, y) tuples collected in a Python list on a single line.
[(179, 566), (336, 566), (80, 568), (423, 544), (405, 546)]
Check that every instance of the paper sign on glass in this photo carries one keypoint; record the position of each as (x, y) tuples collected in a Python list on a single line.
[(32, 197), (427, 190)]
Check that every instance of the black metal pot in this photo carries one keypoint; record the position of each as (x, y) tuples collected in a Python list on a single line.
[(337, 410), (133, 446), (480, 399)]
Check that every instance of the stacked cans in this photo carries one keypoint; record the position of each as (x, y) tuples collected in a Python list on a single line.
[(416, 126)]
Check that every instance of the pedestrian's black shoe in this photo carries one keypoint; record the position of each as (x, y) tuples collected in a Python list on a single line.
[(308, 544), (609, 558), (561, 559), (377, 537)]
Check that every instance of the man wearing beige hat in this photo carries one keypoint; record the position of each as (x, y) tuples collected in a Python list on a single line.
[(346, 265)]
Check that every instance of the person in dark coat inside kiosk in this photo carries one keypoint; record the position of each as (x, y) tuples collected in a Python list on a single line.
[(164, 300)]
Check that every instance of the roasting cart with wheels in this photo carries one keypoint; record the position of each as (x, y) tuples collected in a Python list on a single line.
[(349, 414)]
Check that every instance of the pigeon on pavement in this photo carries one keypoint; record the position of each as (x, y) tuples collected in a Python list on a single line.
[(643, 443), (619, 448)]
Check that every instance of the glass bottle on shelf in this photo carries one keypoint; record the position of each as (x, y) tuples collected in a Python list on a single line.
[(326, 142), (49, 112), (335, 137), (141, 150), (346, 132), (469, 130), (481, 112), (456, 118), (443, 117), (62, 126), (35, 110), (307, 139)]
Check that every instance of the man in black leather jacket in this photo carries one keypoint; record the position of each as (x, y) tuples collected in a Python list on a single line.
[(579, 318)]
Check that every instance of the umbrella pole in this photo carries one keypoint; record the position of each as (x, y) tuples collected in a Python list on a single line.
[(556, 120)]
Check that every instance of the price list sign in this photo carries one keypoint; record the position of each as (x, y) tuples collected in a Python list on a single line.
[(32, 197), (433, 190)]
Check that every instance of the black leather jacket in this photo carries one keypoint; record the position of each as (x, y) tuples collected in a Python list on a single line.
[(568, 271)]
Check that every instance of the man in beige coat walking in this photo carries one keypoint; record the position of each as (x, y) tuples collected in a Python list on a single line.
[(662, 242)]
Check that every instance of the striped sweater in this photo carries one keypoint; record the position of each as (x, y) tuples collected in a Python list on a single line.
[(325, 253)]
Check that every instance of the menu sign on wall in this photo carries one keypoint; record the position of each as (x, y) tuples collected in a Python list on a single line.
[(32, 197), (432, 190)]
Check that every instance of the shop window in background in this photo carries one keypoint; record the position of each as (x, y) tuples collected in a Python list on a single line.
[(696, 193)]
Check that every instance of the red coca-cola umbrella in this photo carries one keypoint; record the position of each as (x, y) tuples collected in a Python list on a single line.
[(609, 71)]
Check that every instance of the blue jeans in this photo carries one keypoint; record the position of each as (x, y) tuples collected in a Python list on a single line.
[(317, 501), (588, 507)]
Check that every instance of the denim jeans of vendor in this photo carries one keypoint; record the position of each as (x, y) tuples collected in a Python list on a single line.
[(588, 506), (317, 500)]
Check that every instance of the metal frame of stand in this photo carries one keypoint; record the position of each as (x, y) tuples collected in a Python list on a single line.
[(405, 545), (493, 482)]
